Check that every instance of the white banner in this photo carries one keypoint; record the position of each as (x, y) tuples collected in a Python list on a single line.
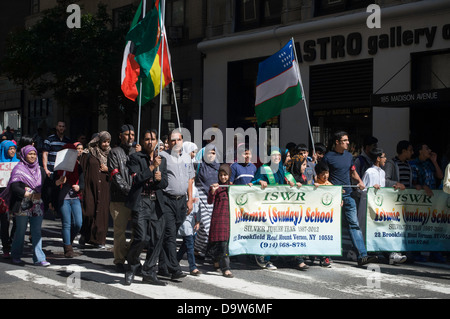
[(5, 172), (284, 220), (407, 220)]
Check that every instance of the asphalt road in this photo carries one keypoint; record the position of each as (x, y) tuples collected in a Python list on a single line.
[(92, 275)]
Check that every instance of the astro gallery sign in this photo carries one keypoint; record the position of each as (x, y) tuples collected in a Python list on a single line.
[(352, 44)]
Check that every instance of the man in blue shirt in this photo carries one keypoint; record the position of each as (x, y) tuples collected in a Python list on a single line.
[(243, 171), (342, 167)]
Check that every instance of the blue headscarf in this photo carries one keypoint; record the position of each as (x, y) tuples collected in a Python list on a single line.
[(4, 156)]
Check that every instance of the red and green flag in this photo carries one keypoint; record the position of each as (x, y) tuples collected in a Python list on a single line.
[(143, 55)]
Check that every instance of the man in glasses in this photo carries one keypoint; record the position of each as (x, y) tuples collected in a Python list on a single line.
[(342, 168), (178, 203)]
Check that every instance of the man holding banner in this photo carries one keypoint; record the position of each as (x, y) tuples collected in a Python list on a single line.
[(341, 165)]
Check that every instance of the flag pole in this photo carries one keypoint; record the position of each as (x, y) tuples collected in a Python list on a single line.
[(161, 21), (144, 5), (303, 95)]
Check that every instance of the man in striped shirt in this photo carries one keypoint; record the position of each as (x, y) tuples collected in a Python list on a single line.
[(398, 171), (52, 145)]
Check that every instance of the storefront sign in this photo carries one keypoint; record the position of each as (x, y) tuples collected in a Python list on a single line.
[(408, 98), (407, 220), (339, 46), (284, 220)]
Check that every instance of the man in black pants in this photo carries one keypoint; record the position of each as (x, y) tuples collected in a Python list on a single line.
[(146, 200), (178, 202)]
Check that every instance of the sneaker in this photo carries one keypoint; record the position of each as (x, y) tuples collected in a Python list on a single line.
[(270, 266), (367, 260), (396, 258), (43, 263), (261, 262), (17, 261), (325, 262), (6, 255)]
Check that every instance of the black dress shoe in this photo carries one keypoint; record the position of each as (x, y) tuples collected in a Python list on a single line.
[(177, 275), (163, 273), (153, 280), (129, 277)]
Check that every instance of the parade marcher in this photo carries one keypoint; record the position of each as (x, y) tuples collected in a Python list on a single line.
[(188, 232), (243, 171), (178, 202), (23, 197), (146, 201), (363, 161), (272, 173), (70, 186), (322, 175), (446, 181), (375, 177), (398, 171), (219, 234), (340, 163), (297, 168), (7, 155), (52, 145), (120, 186), (425, 171), (310, 173), (207, 171), (96, 195)]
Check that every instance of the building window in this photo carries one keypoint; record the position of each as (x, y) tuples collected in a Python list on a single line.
[(34, 6), (252, 14), (324, 7), (123, 16), (175, 13), (430, 70)]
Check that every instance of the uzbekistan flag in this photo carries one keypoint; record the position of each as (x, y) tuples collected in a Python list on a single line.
[(278, 84), (148, 40)]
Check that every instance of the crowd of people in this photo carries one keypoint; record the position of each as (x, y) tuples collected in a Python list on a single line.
[(169, 188)]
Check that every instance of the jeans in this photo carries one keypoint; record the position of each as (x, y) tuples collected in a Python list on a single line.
[(71, 209), (187, 247), (19, 236), (350, 213)]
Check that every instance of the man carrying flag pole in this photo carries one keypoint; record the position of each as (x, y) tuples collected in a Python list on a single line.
[(279, 85)]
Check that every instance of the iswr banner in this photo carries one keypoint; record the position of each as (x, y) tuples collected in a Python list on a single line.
[(284, 220), (407, 220)]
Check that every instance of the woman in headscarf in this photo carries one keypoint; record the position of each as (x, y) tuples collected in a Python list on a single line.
[(8, 151), (96, 191), (207, 174), (272, 173), (7, 155), (23, 197)]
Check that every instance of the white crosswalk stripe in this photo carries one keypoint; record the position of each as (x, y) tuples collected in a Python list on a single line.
[(98, 281)]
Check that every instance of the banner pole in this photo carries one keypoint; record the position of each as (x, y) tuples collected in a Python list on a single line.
[(303, 95)]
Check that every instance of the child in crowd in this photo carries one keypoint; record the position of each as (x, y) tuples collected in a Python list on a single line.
[(219, 233), (243, 171), (375, 177), (188, 231), (322, 174)]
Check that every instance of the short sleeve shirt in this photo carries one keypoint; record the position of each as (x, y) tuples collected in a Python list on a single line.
[(179, 171), (53, 144), (340, 165)]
